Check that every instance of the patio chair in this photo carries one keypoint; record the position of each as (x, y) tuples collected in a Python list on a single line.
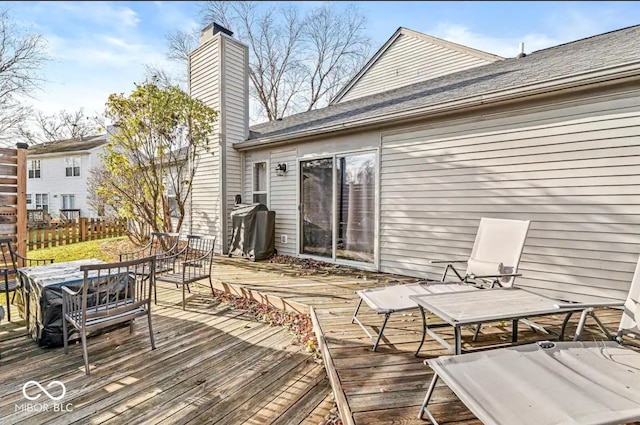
[(110, 294), (160, 245), (9, 264), (190, 265), (548, 382), (493, 262)]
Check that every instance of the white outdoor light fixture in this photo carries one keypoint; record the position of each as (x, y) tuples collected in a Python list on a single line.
[(281, 169)]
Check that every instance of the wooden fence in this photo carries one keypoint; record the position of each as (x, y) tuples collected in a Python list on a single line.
[(13, 195), (84, 229)]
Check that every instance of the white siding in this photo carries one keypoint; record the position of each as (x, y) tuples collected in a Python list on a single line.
[(55, 183), (283, 189), (572, 170), (409, 60), (282, 199), (204, 83), (235, 115)]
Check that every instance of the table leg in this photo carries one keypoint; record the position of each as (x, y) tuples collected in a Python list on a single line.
[(457, 340), (514, 330)]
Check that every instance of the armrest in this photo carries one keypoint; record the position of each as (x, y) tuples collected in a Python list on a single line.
[(133, 253), (174, 256), (446, 261), (495, 276), (32, 261), (69, 292), (193, 262), (590, 305)]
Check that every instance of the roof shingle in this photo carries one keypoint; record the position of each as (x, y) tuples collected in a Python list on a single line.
[(68, 145), (613, 48)]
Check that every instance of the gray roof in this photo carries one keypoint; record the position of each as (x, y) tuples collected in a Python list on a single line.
[(68, 145), (589, 54)]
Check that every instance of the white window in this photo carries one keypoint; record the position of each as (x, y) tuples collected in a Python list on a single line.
[(260, 183), (42, 201), (72, 166), (68, 202), (29, 199), (34, 169)]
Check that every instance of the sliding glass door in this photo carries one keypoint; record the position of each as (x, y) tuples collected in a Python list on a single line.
[(316, 196), (337, 209)]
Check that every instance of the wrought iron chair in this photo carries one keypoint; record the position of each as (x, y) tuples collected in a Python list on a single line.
[(10, 261), (190, 265), (110, 294), (160, 245)]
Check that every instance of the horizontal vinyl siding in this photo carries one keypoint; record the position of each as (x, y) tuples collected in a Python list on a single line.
[(572, 171), (410, 60), (282, 196), (205, 196), (235, 79)]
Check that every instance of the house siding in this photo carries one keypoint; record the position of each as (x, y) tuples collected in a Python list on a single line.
[(235, 111), (283, 190), (55, 183), (204, 83), (572, 170), (410, 60)]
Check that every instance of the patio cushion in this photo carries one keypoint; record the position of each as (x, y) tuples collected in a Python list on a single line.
[(484, 268)]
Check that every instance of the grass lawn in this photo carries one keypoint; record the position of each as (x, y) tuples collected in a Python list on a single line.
[(103, 249)]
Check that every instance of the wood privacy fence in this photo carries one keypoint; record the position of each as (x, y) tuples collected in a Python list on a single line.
[(13, 195), (83, 229)]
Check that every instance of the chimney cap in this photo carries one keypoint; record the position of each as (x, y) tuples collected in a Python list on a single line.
[(216, 28)]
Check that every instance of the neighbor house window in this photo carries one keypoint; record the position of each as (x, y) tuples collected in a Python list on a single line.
[(68, 202), (34, 169), (72, 166), (29, 199), (42, 201), (260, 183)]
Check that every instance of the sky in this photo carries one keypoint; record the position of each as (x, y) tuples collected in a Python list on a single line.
[(99, 48)]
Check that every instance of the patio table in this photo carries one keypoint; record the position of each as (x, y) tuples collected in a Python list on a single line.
[(41, 297), (464, 308)]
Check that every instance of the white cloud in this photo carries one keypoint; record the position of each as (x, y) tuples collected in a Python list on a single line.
[(570, 26), (99, 12)]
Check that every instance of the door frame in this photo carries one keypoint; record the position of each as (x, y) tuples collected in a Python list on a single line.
[(334, 209)]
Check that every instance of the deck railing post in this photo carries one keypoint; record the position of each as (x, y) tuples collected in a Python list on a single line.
[(21, 205)]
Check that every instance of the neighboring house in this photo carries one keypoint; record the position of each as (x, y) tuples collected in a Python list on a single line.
[(58, 172), (429, 137)]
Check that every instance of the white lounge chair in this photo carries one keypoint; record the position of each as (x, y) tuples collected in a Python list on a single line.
[(493, 262), (550, 383)]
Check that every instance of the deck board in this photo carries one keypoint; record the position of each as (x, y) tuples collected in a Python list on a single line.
[(215, 365), (210, 361), (386, 386)]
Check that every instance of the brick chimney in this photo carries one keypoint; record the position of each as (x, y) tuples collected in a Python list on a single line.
[(218, 76)]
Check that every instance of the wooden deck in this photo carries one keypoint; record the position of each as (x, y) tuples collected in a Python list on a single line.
[(383, 387), (211, 365)]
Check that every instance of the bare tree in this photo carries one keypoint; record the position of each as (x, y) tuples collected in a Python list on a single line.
[(339, 48), (22, 54), (296, 62), (62, 125)]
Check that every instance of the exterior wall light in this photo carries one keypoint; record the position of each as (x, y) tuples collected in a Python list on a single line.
[(281, 169)]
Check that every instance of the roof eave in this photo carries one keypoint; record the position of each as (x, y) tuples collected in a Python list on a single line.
[(489, 98)]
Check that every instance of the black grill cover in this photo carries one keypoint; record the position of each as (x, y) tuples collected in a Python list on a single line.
[(254, 231)]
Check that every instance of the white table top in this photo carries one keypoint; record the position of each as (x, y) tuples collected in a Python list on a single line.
[(477, 306), (57, 273)]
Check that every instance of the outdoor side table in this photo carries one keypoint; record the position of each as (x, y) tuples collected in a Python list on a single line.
[(42, 294), (465, 308)]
